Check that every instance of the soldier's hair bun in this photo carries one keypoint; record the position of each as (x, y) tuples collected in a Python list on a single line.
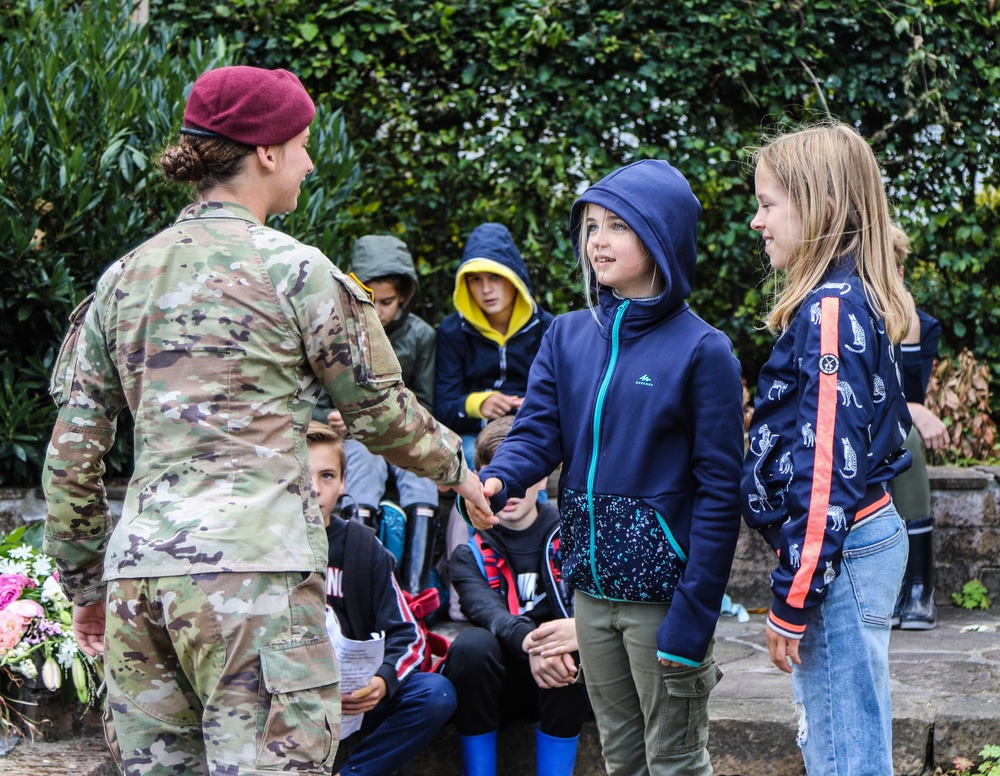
[(183, 163), (205, 162)]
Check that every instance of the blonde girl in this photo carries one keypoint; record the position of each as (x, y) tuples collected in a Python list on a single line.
[(829, 422)]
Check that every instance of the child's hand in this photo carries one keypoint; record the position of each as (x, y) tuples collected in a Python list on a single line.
[(782, 649), (497, 405), (336, 421), (552, 672), (556, 637), (365, 698), (930, 427), (477, 503)]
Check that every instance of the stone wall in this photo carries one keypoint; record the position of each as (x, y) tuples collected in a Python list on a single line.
[(966, 508), (965, 503)]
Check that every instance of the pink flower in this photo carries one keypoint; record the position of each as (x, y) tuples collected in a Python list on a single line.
[(26, 608), (11, 586), (12, 627)]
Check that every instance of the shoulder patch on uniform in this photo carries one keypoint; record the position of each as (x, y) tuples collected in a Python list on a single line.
[(371, 294)]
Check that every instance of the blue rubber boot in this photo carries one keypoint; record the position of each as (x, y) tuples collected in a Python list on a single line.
[(479, 754), (554, 756)]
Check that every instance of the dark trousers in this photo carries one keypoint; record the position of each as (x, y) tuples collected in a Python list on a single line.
[(398, 729), (494, 684)]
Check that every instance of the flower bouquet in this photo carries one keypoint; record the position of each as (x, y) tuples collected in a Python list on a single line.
[(37, 646)]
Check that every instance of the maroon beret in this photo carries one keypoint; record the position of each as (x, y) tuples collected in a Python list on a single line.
[(250, 105)]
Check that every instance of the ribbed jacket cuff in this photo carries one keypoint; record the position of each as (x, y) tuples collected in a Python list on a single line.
[(787, 621)]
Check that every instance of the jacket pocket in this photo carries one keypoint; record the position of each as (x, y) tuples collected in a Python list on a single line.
[(298, 722), (630, 555)]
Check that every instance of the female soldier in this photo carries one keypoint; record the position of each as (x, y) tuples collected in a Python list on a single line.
[(207, 596)]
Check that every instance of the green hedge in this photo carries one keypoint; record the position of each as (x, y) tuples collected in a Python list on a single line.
[(496, 110), (87, 102), (493, 109)]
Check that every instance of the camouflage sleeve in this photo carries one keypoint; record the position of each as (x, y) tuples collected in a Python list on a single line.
[(351, 355), (87, 391)]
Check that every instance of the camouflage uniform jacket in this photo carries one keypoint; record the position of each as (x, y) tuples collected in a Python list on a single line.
[(217, 335)]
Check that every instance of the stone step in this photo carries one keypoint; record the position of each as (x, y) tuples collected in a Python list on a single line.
[(945, 693), (85, 756)]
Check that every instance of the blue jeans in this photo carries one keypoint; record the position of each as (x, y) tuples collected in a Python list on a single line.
[(399, 729), (367, 473), (845, 723)]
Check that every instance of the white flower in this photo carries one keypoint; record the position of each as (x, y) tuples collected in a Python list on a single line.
[(22, 552), (67, 651), (8, 566), (28, 669), (42, 566), (52, 593)]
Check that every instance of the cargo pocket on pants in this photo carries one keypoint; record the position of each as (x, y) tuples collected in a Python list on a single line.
[(298, 722), (684, 709)]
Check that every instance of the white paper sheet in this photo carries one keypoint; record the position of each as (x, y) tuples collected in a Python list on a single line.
[(359, 660)]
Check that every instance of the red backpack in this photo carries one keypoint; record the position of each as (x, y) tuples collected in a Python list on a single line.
[(423, 605)]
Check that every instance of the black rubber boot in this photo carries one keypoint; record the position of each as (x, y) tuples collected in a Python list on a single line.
[(918, 611), (902, 598), (421, 523)]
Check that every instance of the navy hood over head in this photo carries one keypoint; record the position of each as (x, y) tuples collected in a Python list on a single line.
[(475, 358), (493, 241), (669, 233)]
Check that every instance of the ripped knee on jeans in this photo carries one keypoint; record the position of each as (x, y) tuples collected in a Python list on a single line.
[(803, 732)]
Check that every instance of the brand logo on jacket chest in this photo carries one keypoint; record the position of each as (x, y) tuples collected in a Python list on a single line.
[(646, 381)]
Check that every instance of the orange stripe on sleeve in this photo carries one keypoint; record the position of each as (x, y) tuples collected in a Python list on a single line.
[(826, 420), (790, 627), (871, 509)]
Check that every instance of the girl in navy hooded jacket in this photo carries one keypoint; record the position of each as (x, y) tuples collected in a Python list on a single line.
[(641, 402)]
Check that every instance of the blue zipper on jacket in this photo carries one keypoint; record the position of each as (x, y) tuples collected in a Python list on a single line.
[(596, 428)]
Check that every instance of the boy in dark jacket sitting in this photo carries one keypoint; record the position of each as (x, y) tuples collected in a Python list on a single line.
[(520, 658), (403, 708)]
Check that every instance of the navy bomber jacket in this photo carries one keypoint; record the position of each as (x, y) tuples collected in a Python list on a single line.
[(829, 421)]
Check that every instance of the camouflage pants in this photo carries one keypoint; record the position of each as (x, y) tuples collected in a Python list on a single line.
[(221, 674)]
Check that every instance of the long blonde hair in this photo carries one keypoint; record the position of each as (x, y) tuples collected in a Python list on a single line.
[(834, 184)]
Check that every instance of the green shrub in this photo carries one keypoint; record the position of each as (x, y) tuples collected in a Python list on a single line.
[(87, 102), (974, 595), (502, 110), (963, 766)]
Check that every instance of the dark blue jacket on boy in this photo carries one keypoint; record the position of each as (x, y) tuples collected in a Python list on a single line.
[(641, 401), (474, 359)]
